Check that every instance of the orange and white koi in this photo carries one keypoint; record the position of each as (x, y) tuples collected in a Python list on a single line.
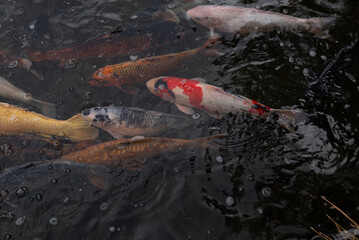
[(190, 94)]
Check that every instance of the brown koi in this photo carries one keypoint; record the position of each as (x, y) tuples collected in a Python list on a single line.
[(132, 154), (129, 41)]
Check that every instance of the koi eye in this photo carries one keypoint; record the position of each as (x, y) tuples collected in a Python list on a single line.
[(161, 87)]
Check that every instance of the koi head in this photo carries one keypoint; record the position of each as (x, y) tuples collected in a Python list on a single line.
[(104, 77), (161, 88), (202, 14), (97, 116)]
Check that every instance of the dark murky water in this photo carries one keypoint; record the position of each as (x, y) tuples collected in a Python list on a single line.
[(256, 189)]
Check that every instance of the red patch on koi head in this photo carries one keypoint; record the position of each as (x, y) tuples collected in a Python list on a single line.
[(191, 88)]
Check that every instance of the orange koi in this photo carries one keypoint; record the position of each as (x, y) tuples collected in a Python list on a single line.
[(142, 69)]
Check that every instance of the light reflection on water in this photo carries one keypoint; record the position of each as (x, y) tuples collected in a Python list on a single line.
[(187, 194)]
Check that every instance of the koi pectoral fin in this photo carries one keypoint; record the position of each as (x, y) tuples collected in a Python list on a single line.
[(185, 109), (214, 114), (97, 181), (129, 88)]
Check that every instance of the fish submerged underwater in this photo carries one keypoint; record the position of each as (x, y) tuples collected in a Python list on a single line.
[(233, 19), (8, 90), (16, 120), (188, 94), (129, 122), (18, 180), (119, 43)]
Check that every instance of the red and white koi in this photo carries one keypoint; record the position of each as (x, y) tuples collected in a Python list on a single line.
[(190, 94)]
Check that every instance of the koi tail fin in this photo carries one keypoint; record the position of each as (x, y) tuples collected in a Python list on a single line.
[(79, 129), (25, 63), (36, 55), (166, 14), (46, 108), (321, 26), (206, 142), (289, 119)]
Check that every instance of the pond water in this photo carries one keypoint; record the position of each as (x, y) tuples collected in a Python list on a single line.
[(261, 182)]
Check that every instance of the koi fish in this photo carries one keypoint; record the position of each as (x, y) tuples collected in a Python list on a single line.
[(7, 90), (132, 40), (174, 14), (13, 62), (132, 154), (125, 121), (17, 180), (188, 94), (232, 19), (14, 120), (21, 148), (142, 69)]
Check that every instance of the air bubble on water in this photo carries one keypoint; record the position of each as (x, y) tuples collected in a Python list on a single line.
[(55, 144), (3, 193), (8, 236), (133, 17), (53, 221), (54, 181), (196, 116), (71, 89), (87, 95), (47, 36), (70, 63), (112, 229), (13, 64), (32, 26), (312, 53), (20, 220), (28, 95), (81, 189), (21, 192), (133, 57), (66, 199), (229, 201), (281, 44), (266, 191), (19, 11), (291, 59), (171, 5), (68, 170), (285, 11), (103, 206), (219, 159), (323, 57), (60, 135), (38, 197), (24, 143), (175, 170), (260, 210)]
